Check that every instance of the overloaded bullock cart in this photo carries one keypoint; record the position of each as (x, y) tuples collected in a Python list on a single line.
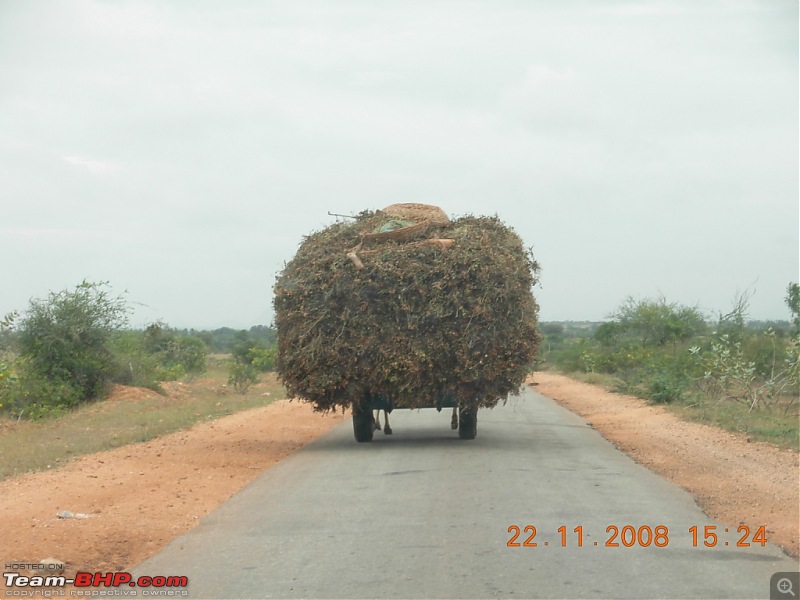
[(403, 308)]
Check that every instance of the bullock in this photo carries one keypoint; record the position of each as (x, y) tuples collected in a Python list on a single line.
[(377, 421), (388, 430)]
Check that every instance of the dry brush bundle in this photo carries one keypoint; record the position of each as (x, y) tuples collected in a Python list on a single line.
[(451, 313)]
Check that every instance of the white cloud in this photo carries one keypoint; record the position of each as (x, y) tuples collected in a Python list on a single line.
[(96, 167), (127, 20)]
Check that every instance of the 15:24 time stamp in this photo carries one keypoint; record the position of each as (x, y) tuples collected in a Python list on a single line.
[(643, 536)]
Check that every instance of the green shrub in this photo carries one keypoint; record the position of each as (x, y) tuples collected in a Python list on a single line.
[(766, 351), (7, 376), (570, 357), (666, 388), (135, 367), (188, 352), (171, 373), (34, 396), (65, 341), (732, 374), (250, 351), (242, 376), (263, 359), (8, 382)]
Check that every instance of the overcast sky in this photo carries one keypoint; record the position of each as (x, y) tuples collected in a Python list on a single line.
[(181, 149)]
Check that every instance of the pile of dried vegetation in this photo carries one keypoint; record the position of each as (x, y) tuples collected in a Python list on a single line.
[(406, 303)]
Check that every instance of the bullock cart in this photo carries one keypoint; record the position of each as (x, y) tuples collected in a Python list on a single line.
[(406, 308)]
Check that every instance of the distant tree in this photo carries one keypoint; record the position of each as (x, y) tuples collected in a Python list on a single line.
[(207, 337), (655, 322), (223, 339), (156, 338), (609, 333), (241, 347), (552, 330), (177, 354), (266, 336)]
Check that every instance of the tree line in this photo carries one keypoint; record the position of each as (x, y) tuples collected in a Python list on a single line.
[(667, 352), (71, 346)]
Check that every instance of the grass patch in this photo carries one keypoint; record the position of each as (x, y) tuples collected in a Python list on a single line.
[(778, 424), (773, 424), (39, 445)]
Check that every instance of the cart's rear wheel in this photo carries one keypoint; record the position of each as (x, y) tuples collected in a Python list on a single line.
[(468, 422), (363, 424)]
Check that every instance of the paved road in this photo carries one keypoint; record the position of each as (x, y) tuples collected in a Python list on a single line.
[(422, 514)]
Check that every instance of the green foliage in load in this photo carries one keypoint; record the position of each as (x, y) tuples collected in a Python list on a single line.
[(416, 322)]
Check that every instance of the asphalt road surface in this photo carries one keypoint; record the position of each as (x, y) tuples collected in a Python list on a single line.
[(422, 514)]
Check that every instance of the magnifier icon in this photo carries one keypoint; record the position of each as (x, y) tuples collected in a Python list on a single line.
[(785, 587)]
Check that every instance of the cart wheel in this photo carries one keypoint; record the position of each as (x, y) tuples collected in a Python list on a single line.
[(468, 423), (363, 424)]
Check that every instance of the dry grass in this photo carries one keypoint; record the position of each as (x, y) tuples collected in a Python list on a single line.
[(130, 415), (778, 424)]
